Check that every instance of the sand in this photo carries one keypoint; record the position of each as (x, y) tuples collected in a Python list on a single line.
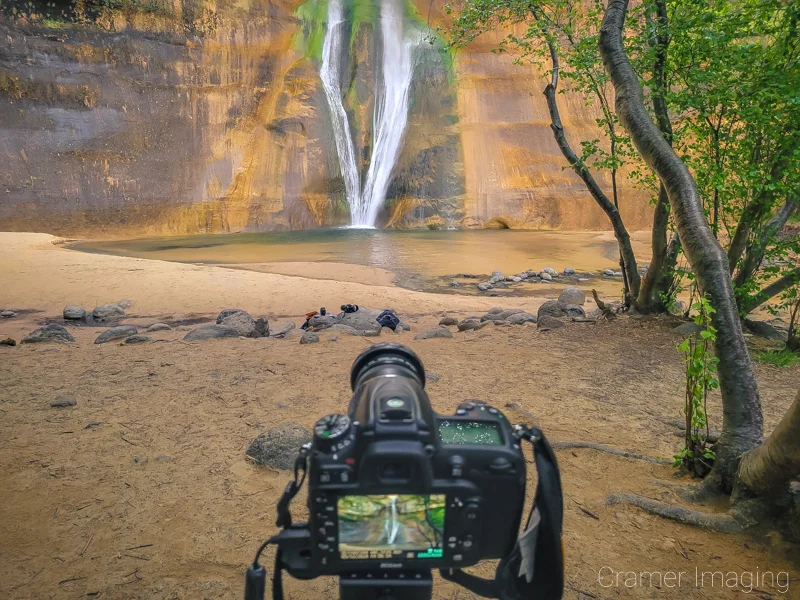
[(142, 490)]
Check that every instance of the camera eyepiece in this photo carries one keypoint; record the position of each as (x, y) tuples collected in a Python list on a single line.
[(386, 354)]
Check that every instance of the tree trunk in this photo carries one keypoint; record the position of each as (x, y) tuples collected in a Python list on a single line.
[(776, 462), (773, 289), (623, 239), (742, 419), (649, 300)]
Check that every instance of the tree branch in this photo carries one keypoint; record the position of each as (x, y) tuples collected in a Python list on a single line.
[(773, 289)]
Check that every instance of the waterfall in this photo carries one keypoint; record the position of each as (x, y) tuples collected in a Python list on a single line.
[(331, 82), (390, 116)]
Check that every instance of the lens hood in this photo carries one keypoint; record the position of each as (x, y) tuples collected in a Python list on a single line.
[(385, 355)]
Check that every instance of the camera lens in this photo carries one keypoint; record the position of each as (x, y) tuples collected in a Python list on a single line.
[(395, 472), (392, 356)]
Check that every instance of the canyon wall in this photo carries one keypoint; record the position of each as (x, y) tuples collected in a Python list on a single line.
[(182, 118)]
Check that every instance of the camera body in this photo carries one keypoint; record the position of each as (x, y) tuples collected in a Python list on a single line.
[(395, 486)]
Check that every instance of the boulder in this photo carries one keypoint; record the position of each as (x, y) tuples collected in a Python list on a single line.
[(688, 328), (309, 337), (278, 447), (363, 319), (107, 312), (324, 321), (551, 308), (7, 314), (282, 330), (573, 310), (550, 271), (522, 317), (158, 327), (502, 315), (64, 401), (436, 332), (495, 310), (471, 324), (116, 333), (8, 342), (546, 323), (137, 339), (448, 321), (765, 330), (243, 323), (485, 287), (572, 295), (546, 276), (49, 333), (353, 331), (74, 313), (569, 271), (210, 332)]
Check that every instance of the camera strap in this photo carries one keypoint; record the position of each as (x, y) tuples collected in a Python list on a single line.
[(535, 567)]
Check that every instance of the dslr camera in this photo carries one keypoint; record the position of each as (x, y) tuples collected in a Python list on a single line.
[(396, 490)]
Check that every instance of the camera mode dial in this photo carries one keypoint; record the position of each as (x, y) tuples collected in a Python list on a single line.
[(330, 430)]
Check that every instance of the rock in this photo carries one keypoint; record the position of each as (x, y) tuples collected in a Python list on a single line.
[(550, 271), (49, 333), (388, 330), (64, 401), (7, 314), (546, 323), (436, 332), (210, 332), (551, 308), (323, 321), (573, 310), (107, 311), (8, 342), (116, 333), (363, 319), (569, 271), (502, 315), (583, 279), (572, 295), (74, 313), (243, 323), (516, 279), (497, 274), (494, 280), (521, 318), (163, 458), (678, 307), (281, 331), (546, 276), (278, 447), (495, 310), (472, 324), (333, 338), (485, 287), (765, 330), (432, 377), (455, 284), (125, 304), (618, 273), (609, 272), (353, 331), (509, 278), (309, 337), (688, 328), (404, 325), (595, 314), (158, 327), (137, 339), (448, 321)]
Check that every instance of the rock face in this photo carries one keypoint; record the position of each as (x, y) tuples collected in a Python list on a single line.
[(572, 295), (278, 447), (107, 312), (243, 323), (74, 313), (210, 332), (115, 333), (49, 333), (436, 332)]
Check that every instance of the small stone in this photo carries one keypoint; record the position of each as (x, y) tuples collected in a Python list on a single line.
[(485, 287), (64, 401), (137, 339), (74, 313), (125, 304), (609, 272), (550, 271), (309, 337), (432, 377), (158, 327), (163, 458), (7, 314), (210, 332), (448, 321), (116, 333), (455, 284), (436, 332), (583, 279), (404, 325), (546, 276), (569, 271), (278, 447), (572, 295), (516, 279), (689, 328), (8, 342), (472, 324), (283, 405), (49, 333), (107, 311), (546, 323), (333, 338), (509, 278)]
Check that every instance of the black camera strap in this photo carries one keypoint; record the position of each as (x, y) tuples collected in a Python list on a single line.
[(535, 567)]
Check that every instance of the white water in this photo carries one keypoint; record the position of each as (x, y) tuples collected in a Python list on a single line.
[(390, 117)]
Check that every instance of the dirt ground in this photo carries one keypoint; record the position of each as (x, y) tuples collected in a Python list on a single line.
[(142, 490)]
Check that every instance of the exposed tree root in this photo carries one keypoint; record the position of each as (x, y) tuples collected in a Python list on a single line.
[(614, 451), (713, 522)]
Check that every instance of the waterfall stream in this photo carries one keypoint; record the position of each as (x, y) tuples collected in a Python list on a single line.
[(390, 116)]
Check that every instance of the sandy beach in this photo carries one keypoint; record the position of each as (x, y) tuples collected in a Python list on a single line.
[(142, 490)]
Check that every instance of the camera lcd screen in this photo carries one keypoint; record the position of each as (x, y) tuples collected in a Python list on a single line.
[(470, 432), (391, 526)]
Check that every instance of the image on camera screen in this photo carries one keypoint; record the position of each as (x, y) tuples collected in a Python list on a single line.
[(394, 525)]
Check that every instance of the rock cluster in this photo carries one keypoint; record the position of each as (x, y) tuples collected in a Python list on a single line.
[(497, 279)]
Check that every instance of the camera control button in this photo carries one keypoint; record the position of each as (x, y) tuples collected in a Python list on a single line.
[(467, 543), (323, 546), (493, 411), (325, 477), (458, 557), (461, 411)]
